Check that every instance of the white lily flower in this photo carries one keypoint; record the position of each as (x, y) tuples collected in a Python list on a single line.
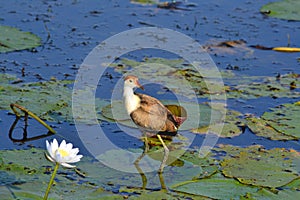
[(62, 154)]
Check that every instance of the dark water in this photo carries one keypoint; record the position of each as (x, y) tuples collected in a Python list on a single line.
[(71, 29)]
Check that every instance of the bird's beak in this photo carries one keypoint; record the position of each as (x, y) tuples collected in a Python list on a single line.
[(139, 85)]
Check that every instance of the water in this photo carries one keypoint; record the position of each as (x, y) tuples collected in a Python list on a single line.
[(71, 29)]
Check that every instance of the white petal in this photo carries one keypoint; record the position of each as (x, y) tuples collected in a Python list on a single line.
[(74, 151), (48, 146), (67, 165), (63, 145), (50, 158), (54, 145), (69, 146), (75, 159), (58, 157)]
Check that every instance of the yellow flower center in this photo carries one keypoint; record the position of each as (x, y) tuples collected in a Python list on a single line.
[(62, 152)]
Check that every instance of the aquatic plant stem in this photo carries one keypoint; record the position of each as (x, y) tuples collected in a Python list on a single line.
[(51, 181), (27, 112)]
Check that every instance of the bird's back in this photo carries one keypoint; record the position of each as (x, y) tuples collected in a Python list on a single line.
[(153, 115)]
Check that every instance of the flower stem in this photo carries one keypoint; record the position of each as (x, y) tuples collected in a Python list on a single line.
[(51, 181)]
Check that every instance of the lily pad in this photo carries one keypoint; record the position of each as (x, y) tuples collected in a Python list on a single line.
[(13, 39), (149, 195), (50, 100), (175, 74), (262, 128), (189, 82), (267, 195), (288, 192), (274, 87), (285, 9), (260, 167), (285, 119), (216, 187), (27, 173), (208, 164), (230, 126), (149, 164)]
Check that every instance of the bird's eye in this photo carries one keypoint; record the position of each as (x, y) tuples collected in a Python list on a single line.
[(130, 81)]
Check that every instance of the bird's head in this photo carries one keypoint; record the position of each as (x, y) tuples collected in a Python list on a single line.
[(132, 82)]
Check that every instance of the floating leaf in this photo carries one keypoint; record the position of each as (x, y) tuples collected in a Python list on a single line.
[(230, 126), (13, 39), (257, 166), (50, 100), (274, 87), (183, 79), (149, 195), (216, 187), (262, 128), (176, 170), (285, 9), (26, 173), (24, 165), (68, 191), (288, 192), (7, 179), (208, 164), (187, 81), (285, 119)]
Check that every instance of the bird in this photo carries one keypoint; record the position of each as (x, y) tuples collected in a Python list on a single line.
[(149, 114)]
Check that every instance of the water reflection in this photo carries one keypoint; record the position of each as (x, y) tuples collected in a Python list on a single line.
[(151, 148), (25, 137)]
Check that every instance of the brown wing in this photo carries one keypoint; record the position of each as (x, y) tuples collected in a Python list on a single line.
[(152, 105), (153, 115)]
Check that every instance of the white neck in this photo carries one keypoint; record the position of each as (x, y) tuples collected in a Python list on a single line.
[(132, 102)]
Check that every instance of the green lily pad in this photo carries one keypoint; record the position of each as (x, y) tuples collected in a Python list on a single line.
[(264, 194), (46, 99), (12, 39), (288, 192), (188, 82), (23, 165), (208, 164), (285, 119), (262, 128), (285, 9), (265, 87), (230, 126), (27, 173), (184, 79), (257, 166), (7, 179), (216, 187), (162, 194), (50, 100), (149, 164)]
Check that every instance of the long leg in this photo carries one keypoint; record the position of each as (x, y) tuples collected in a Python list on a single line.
[(166, 154)]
